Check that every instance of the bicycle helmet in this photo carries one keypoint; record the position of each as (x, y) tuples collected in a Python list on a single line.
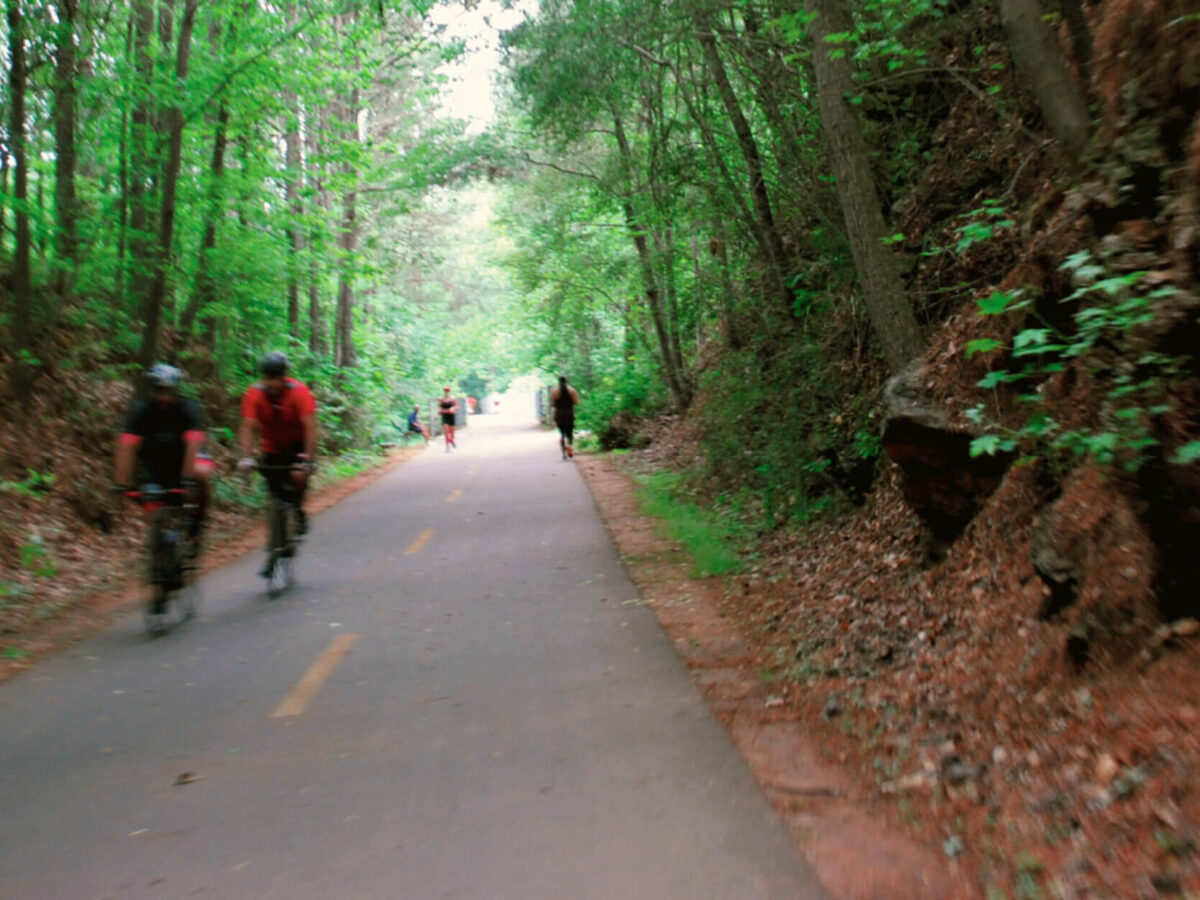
[(274, 364), (164, 377)]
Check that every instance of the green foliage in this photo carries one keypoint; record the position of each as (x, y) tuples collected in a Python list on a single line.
[(34, 485), (772, 434), (36, 558), (986, 221), (709, 540), (1108, 309)]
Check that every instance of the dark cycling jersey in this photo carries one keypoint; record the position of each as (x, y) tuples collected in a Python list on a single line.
[(161, 433)]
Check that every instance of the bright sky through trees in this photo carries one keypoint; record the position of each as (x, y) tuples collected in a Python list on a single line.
[(468, 96)]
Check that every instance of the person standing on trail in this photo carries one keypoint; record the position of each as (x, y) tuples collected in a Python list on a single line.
[(448, 406), (564, 400)]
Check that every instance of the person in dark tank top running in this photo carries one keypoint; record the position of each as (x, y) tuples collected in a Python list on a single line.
[(564, 399), (447, 407)]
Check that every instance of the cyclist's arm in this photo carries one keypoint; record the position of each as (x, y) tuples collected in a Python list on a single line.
[(124, 457), (310, 434), (246, 436), (193, 440)]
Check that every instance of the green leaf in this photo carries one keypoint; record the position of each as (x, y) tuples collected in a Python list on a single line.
[(997, 303), (993, 379), (982, 345), (1187, 454), (989, 445)]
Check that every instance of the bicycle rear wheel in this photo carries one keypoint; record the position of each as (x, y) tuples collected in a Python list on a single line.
[(160, 560), (280, 550)]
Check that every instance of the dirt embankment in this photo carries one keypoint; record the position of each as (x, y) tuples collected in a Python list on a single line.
[(841, 825), (920, 725)]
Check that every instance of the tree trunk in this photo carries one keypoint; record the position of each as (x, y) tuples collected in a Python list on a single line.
[(316, 323), (344, 353), (891, 314), (65, 203), (3, 192), (22, 289), (205, 292), (1081, 40), (769, 240), (654, 300), (123, 179), (296, 211), (1041, 61), (139, 149), (158, 300), (295, 208)]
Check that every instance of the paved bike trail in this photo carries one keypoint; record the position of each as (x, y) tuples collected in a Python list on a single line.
[(461, 698)]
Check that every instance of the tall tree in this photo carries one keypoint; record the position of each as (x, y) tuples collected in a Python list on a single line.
[(65, 92), (891, 313), (344, 351), (765, 230), (1041, 60), (174, 124), (22, 287)]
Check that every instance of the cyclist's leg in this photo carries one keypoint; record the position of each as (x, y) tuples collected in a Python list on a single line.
[(199, 497)]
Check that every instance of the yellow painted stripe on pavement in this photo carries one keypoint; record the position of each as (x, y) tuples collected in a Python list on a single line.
[(454, 495), (471, 471), (310, 682), (419, 544)]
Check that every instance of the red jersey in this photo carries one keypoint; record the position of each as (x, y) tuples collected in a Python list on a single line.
[(280, 417)]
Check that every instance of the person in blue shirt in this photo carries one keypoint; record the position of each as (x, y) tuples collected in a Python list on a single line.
[(415, 426)]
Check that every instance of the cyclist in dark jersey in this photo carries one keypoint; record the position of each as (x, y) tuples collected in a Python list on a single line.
[(448, 406), (564, 400), (162, 438)]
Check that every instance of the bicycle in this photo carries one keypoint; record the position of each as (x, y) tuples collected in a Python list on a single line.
[(283, 534), (171, 551)]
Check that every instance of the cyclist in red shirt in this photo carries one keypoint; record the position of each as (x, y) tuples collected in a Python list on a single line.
[(282, 413)]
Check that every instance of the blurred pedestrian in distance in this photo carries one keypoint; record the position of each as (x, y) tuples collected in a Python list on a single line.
[(564, 400), (414, 424), (448, 406)]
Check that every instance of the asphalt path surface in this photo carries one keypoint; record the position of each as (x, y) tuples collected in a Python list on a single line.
[(460, 698)]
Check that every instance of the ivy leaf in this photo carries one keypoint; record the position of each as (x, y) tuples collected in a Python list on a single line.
[(990, 445), (997, 303), (992, 379), (983, 345), (1188, 453), (985, 446)]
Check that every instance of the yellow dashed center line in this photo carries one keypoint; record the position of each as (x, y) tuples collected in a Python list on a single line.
[(419, 544), (306, 688), (454, 495)]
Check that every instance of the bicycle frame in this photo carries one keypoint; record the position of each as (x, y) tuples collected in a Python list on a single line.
[(167, 572)]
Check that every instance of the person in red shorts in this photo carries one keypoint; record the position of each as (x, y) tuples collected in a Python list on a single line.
[(282, 413)]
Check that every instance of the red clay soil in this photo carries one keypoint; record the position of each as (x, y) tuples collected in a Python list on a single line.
[(113, 590), (923, 729), (842, 826)]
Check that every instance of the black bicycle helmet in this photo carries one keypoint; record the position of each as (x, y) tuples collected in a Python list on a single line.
[(274, 364), (164, 377)]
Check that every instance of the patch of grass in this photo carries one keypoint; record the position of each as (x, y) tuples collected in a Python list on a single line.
[(708, 540), (345, 465)]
